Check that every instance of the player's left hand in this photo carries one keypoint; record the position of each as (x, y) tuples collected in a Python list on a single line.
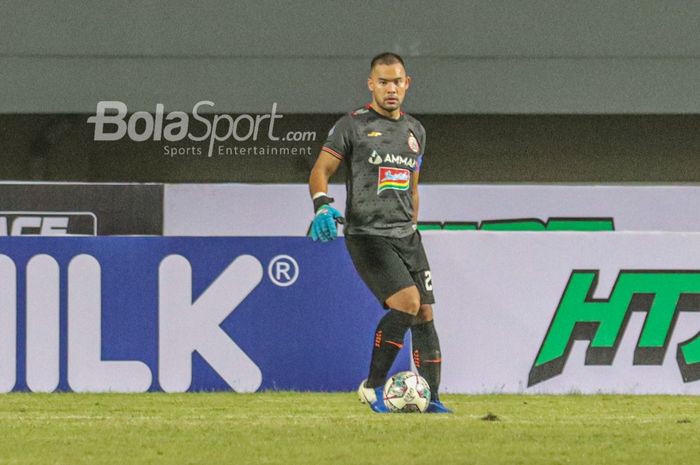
[(323, 227)]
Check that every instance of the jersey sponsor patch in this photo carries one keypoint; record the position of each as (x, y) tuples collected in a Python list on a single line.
[(374, 134), (413, 142), (393, 178)]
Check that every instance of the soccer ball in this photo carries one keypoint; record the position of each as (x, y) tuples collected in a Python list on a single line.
[(407, 392)]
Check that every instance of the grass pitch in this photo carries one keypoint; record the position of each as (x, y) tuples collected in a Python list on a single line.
[(295, 428)]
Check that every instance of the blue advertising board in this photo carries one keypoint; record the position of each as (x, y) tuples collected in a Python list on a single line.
[(183, 314)]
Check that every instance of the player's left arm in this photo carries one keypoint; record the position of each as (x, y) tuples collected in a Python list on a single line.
[(414, 195)]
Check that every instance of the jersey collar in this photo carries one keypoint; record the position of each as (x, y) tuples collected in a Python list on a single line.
[(376, 113)]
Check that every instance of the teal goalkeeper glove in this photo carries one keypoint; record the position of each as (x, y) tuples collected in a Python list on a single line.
[(323, 227)]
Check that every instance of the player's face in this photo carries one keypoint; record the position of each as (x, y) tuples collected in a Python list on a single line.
[(388, 84)]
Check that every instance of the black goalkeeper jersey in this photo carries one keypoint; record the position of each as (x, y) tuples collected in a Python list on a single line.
[(380, 154)]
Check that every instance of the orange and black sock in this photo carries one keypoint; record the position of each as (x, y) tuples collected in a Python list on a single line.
[(427, 356), (388, 340)]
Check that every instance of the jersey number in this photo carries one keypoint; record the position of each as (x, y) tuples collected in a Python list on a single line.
[(428, 281)]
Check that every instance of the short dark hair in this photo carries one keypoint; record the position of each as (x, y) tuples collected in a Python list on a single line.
[(386, 58)]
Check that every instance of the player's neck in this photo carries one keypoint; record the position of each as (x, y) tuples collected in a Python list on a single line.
[(394, 114)]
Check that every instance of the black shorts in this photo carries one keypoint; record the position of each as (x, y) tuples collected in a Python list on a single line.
[(388, 264)]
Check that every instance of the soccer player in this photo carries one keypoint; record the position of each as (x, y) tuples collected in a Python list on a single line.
[(382, 148)]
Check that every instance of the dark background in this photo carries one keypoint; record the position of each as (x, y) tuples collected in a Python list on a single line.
[(460, 149), (118, 209)]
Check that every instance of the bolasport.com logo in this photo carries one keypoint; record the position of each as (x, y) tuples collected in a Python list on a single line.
[(211, 134)]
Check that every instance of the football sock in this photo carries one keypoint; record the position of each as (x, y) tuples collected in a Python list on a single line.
[(388, 340), (427, 356)]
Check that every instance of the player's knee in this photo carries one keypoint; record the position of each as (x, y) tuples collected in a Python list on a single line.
[(405, 307), (413, 305), (409, 308), (406, 300)]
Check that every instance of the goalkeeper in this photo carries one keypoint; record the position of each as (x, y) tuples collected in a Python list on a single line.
[(382, 148)]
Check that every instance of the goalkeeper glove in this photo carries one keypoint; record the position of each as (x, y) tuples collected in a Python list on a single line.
[(323, 227)]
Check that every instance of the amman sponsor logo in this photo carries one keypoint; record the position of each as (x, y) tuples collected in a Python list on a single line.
[(376, 159), (662, 295)]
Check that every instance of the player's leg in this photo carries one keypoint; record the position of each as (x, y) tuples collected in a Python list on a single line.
[(426, 349), (388, 341), (384, 272), (426, 344), (427, 356), (390, 333)]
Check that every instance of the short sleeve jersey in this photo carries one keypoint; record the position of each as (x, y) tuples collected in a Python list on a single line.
[(381, 155)]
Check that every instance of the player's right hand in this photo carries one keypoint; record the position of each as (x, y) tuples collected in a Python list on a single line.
[(323, 227)]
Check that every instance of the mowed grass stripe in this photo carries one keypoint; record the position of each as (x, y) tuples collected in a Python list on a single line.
[(310, 428)]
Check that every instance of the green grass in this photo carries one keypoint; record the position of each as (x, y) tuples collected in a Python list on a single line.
[(292, 428)]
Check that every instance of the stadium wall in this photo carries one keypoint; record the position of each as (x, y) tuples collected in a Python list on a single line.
[(502, 56)]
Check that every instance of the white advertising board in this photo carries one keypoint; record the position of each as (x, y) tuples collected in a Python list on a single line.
[(568, 312), (285, 209)]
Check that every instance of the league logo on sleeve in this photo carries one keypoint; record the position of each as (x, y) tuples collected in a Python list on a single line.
[(393, 178)]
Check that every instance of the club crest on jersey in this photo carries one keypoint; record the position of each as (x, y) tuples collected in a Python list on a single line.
[(393, 178), (413, 142)]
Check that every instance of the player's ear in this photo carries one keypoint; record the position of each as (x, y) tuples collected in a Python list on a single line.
[(408, 82), (370, 84)]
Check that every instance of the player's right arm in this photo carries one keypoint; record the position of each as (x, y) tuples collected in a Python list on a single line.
[(326, 165), (323, 227), (338, 144)]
